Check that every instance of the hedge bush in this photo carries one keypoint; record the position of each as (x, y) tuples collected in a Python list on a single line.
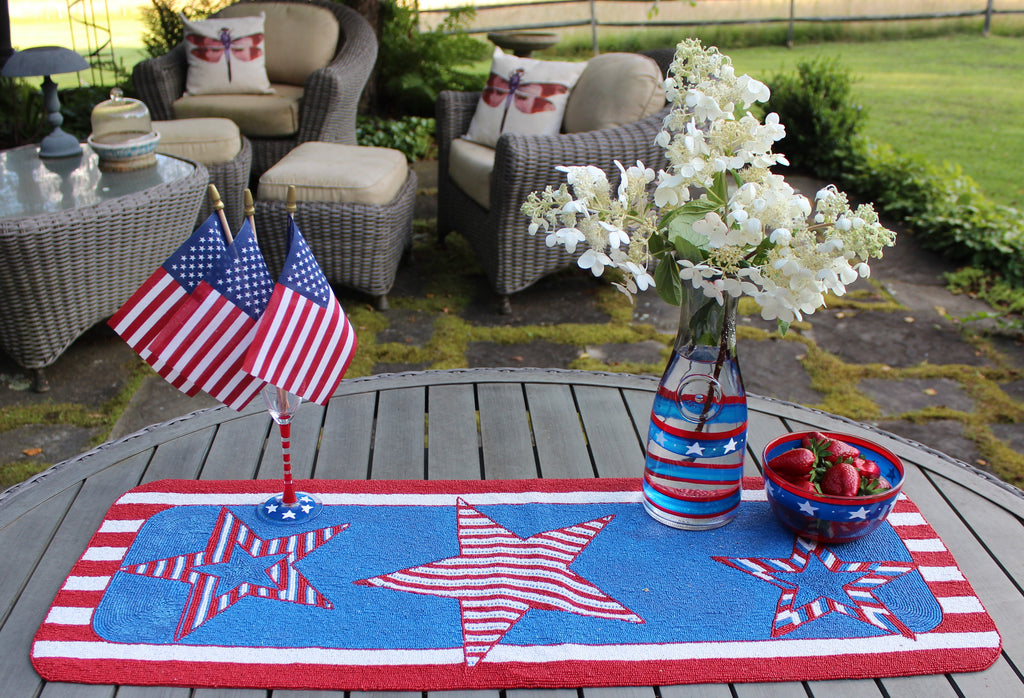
[(941, 206)]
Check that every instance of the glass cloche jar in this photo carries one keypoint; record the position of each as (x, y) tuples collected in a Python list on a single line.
[(122, 133)]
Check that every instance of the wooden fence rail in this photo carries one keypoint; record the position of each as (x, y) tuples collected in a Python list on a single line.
[(635, 14)]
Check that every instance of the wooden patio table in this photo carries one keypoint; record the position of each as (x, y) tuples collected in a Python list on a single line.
[(471, 424)]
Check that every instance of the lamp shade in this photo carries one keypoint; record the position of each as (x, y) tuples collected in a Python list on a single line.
[(43, 60)]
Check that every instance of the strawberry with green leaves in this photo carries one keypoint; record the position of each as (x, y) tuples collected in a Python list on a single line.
[(842, 479), (795, 464)]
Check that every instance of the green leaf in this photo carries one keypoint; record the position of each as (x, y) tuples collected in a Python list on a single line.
[(657, 245), (688, 244), (666, 280), (783, 327), (719, 191)]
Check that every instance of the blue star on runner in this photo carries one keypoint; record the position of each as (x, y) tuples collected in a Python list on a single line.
[(236, 563), (241, 568), (815, 582)]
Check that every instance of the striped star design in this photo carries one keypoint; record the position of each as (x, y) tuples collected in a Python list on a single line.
[(815, 582), (237, 563), (498, 576)]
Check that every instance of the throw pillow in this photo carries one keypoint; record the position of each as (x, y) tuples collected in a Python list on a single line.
[(523, 95), (226, 56)]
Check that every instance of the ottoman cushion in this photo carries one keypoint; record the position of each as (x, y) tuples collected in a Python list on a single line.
[(334, 173), (209, 141)]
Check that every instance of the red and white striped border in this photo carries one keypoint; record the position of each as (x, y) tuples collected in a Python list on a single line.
[(67, 649)]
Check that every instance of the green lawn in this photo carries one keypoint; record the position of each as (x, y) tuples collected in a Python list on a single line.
[(956, 99)]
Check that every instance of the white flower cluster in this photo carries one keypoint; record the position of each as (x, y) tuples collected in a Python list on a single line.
[(746, 233)]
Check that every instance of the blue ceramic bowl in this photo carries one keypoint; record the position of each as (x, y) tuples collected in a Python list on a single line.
[(827, 518), (125, 151)]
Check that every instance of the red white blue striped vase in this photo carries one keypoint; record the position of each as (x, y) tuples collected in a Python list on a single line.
[(698, 431)]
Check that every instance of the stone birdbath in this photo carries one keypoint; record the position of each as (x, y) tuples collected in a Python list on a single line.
[(522, 44)]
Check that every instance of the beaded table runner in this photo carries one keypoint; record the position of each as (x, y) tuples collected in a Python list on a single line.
[(495, 584)]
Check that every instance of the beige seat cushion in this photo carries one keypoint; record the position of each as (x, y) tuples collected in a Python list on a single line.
[(266, 116), (470, 166), (615, 89), (336, 173), (290, 26), (209, 141)]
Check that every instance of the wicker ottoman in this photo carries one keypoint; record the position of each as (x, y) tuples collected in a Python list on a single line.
[(354, 207), (226, 153)]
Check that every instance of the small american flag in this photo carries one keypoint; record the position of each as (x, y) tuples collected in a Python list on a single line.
[(206, 341), (142, 317), (304, 342)]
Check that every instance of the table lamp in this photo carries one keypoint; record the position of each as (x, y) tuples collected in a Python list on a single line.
[(47, 61)]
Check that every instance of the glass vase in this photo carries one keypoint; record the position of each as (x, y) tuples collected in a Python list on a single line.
[(697, 435)]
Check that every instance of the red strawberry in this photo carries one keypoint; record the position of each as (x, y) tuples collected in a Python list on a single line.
[(842, 479), (815, 437), (874, 486), (832, 450), (805, 486), (867, 468), (793, 464)]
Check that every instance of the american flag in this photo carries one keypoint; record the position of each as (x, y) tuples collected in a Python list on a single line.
[(142, 317), (305, 342), (206, 341)]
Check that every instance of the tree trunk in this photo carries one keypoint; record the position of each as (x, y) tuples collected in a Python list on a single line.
[(370, 10)]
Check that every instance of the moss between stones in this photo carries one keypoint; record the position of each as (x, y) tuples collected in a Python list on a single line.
[(451, 277), (69, 414)]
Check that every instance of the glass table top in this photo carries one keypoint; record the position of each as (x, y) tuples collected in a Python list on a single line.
[(31, 186)]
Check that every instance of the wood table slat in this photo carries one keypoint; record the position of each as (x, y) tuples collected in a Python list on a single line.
[(505, 432), (60, 690), (400, 435), (83, 517), (181, 458), (615, 446), (24, 542), (781, 689), (561, 443), (346, 438), (236, 448), (453, 438)]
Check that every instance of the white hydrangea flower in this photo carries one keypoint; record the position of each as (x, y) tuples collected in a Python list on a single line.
[(756, 235)]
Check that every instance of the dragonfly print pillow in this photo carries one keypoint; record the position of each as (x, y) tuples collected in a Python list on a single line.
[(523, 95), (226, 56)]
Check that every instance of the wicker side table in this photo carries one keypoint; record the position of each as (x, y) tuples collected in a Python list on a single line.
[(75, 243)]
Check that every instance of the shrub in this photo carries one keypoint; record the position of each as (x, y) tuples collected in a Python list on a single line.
[(415, 66), (822, 121), (164, 29), (941, 205), (413, 135)]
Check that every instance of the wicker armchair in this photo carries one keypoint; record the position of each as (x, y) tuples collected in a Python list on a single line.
[(330, 94), (511, 258)]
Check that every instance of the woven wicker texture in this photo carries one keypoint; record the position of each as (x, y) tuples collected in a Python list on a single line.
[(511, 258), (62, 273), (330, 98), (231, 179), (357, 245)]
